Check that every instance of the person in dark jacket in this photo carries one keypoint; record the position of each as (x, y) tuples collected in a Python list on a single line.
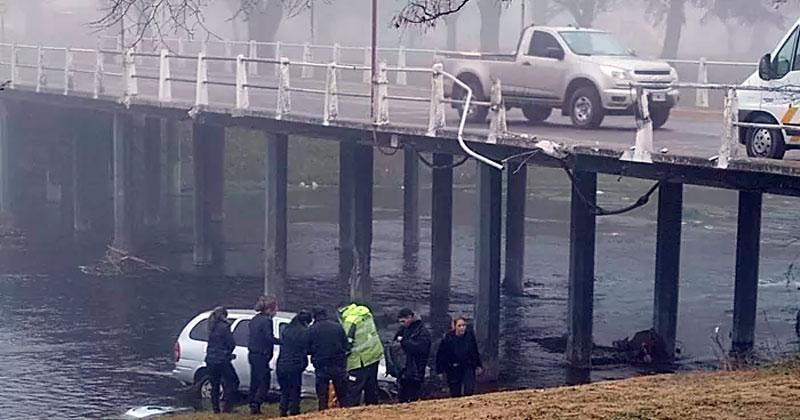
[(292, 361), (458, 358), (328, 347), (219, 354), (260, 345), (415, 341)]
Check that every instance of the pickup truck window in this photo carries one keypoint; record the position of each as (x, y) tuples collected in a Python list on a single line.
[(540, 42), (594, 43)]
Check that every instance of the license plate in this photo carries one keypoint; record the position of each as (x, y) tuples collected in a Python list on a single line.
[(658, 97)]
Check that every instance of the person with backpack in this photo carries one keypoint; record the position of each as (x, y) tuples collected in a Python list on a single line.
[(458, 358), (219, 353), (409, 351)]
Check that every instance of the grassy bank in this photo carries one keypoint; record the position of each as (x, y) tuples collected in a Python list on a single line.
[(767, 393)]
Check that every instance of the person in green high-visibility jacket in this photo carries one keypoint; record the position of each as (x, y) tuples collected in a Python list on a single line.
[(365, 353)]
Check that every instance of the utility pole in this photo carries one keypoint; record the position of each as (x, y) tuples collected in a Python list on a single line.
[(311, 17)]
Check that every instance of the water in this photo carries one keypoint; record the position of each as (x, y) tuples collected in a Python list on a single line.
[(74, 346)]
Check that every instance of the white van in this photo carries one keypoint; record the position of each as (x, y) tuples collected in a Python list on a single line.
[(781, 68)]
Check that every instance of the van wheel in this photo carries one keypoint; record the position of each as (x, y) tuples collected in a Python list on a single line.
[(586, 109), (203, 387), (475, 113), (536, 113), (659, 116), (765, 142)]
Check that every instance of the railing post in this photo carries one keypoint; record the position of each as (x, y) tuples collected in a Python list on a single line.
[(497, 123), (252, 53), (436, 117), (278, 58), (702, 78), (14, 65), (307, 72), (201, 89), (729, 149), (331, 111), (228, 54), (164, 77), (381, 112), (402, 77), (68, 74), (284, 94), (367, 62), (242, 91), (643, 148), (131, 82), (41, 76), (99, 71), (182, 52)]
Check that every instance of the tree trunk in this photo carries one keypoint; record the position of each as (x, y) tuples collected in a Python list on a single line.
[(676, 18), (490, 24), (451, 21), (263, 21), (539, 11)]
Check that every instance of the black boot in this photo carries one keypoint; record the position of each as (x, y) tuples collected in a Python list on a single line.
[(255, 409)]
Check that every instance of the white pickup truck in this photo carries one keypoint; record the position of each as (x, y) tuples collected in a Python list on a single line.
[(585, 72)]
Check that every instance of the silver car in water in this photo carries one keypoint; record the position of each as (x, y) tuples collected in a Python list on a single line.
[(189, 353)]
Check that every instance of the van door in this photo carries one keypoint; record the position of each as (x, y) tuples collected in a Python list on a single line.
[(786, 63), (241, 333)]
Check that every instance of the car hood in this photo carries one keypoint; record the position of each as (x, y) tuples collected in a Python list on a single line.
[(629, 63)]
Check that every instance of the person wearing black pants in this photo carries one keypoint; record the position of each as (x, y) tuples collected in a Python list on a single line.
[(260, 345), (292, 361), (219, 354), (458, 359), (415, 342), (328, 347)]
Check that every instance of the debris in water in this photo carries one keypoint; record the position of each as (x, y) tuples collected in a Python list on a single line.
[(152, 411), (117, 262)]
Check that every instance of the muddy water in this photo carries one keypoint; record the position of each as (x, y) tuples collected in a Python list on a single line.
[(77, 346)]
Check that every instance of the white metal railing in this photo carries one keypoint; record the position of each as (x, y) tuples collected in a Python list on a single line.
[(730, 146), (307, 51), (134, 66)]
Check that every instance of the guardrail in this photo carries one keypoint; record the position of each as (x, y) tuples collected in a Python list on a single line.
[(730, 146), (307, 51)]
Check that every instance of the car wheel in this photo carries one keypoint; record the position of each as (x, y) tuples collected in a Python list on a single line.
[(765, 142), (475, 113), (586, 109), (203, 386), (659, 117), (536, 113)]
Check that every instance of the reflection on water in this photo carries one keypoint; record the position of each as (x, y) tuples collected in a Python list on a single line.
[(77, 346)]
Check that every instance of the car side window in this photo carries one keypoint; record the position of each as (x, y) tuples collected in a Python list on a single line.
[(540, 43), (281, 327), (241, 333), (200, 331), (785, 58)]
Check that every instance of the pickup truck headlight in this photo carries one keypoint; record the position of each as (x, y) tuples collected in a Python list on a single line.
[(673, 74), (619, 75)]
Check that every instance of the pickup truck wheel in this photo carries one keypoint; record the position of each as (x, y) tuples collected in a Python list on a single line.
[(586, 109), (536, 113), (765, 142), (475, 114), (659, 116)]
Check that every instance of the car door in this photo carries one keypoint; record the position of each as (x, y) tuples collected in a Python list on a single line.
[(241, 333), (545, 61)]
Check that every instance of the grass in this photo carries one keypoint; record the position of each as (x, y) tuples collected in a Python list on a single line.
[(772, 392)]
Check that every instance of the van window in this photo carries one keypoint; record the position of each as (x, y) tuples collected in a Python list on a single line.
[(784, 59), (281, 327), (200, 331), (540, 42), (241, 333)]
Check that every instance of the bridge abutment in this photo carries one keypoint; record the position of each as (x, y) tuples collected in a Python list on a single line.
[(441, 241), (208, 145), (748, 238), (275, 183), (667, 269), (516, 195)]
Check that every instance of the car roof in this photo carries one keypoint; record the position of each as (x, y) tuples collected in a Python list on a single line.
[(249, 313)]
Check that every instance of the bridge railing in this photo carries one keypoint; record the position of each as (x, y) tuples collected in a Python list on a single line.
[(730, 145), (398, 56)]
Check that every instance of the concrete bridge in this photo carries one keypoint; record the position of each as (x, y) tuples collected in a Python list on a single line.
[(131, 102)]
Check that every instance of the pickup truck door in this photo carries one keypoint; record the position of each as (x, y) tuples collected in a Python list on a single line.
[(542, 68)]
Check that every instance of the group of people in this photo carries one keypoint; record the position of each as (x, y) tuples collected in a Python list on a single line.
[(346, 353)]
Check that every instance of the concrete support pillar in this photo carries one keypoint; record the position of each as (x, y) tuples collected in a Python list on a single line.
[(355, 219), (748, 238), (410, 203), (64, 172), (128, 157), (580, 303), (170, 218), (276, 162), (152, 175), (347, 175), (441, 241), (668, 263), (90, 156), (208, 144), (487, 263), (5, 169), (516, 195)]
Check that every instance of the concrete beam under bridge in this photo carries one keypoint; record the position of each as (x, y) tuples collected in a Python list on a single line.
[(152, 174), (276, 165), (128, 158), (748, 239), (208, 145), (668, 263), (410, 203), (441, 241), (170, 217), (516, 196)]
